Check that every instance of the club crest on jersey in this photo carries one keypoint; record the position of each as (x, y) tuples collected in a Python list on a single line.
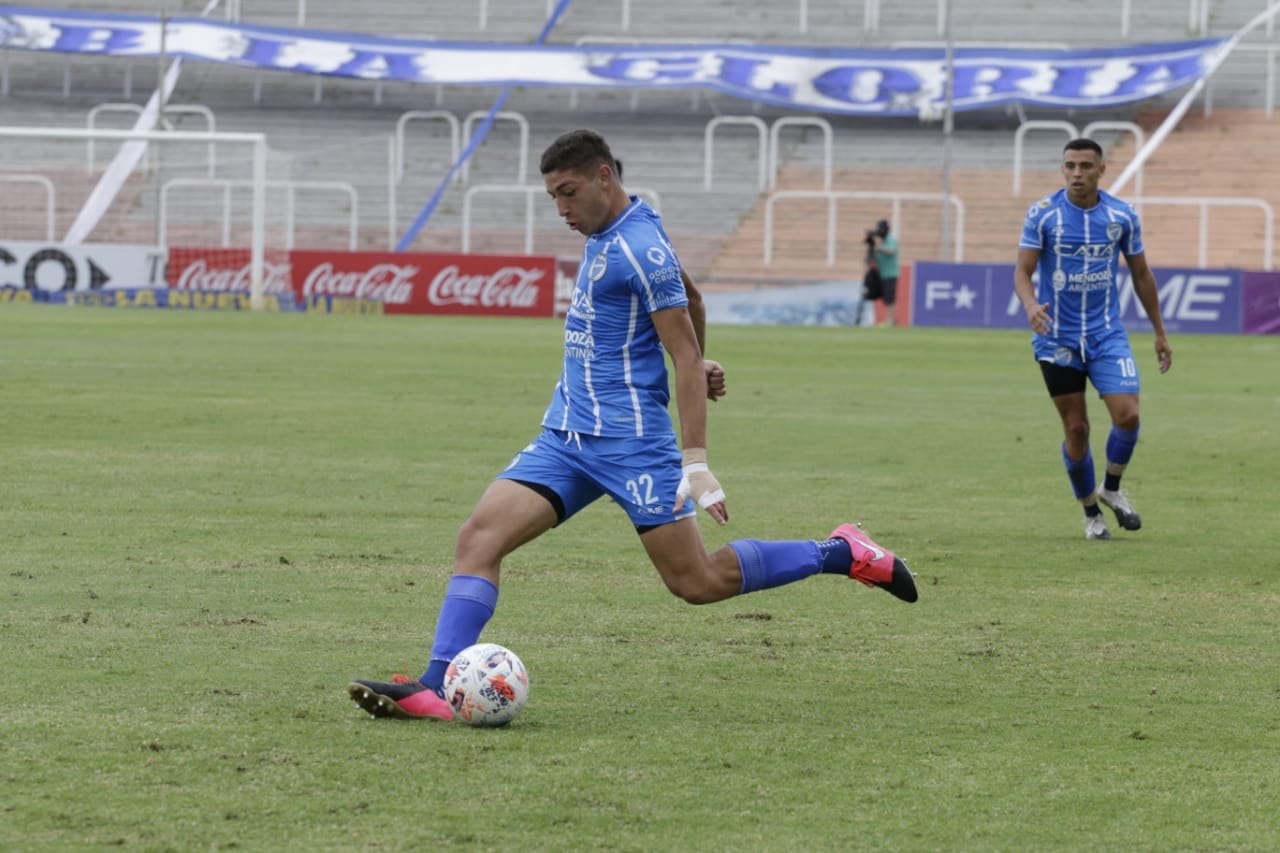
[(656, 256), (1114, 231), (1059, 279), (598, 266)]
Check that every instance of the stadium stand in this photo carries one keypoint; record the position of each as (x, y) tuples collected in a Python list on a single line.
[(336, 129)]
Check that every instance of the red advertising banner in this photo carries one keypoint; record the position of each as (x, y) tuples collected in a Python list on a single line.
[(397, 282), (422, 283), (209, 268)]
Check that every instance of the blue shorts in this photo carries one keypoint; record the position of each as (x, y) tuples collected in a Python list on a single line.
[(640, 474), (1106, 359)]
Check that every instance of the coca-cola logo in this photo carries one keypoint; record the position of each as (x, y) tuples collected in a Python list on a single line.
[(388, 283), (199, 275), (508, 287)]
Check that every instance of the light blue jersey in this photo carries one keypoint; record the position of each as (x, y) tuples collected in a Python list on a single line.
[(1080, 253), (614, 381)]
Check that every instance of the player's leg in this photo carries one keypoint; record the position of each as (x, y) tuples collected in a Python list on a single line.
[(1114, 372), (537, 491), (1066, 385), (749, 565), (643, 476), (507, 515)]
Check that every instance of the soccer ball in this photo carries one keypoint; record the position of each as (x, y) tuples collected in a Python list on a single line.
[(486, 684)]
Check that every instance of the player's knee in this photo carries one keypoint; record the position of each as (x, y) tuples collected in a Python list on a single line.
[(696, 587), (476, 543), (1076, 430), (1128, 419), (695, 594)]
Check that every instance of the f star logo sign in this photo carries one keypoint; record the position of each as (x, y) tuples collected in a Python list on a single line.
[(962, 298)]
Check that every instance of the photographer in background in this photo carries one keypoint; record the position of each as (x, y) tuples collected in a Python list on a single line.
[(882, 253), (872, 287)]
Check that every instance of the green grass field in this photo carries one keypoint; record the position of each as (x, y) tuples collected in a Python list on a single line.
[(209, 523)]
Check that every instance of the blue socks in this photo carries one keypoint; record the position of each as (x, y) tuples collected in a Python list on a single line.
[(769, 564), (1120, 444), (469, 602), (1083, 481)]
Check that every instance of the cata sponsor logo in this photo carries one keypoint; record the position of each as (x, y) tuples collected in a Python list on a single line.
[(507, 287), (388, 283)]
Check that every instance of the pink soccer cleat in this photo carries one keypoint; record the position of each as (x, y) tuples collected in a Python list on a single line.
[(874, 566), (404, 700)]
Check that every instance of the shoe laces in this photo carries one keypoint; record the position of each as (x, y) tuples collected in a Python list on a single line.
[(403, 677)]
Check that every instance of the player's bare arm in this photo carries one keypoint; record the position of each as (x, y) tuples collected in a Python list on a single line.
[(675, 330), (1024, 268), (1144, 285), (698, 314)]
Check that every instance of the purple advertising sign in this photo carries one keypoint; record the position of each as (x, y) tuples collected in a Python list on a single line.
[(1261, 303), (981, 295)]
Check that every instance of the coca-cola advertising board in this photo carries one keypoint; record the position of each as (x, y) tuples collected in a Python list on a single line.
[(208, 268), (429, 283)]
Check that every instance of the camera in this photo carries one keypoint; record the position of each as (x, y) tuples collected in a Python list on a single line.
[(870, 239)]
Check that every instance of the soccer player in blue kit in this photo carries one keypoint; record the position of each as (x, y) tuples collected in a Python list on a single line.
[(607, 432), (1075, 238)]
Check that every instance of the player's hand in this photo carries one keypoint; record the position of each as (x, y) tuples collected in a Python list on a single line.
[(715, 379), (1164, 353), (1038, 317), (700, 484)]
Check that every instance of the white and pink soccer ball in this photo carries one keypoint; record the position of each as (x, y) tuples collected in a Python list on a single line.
[(486, 685)]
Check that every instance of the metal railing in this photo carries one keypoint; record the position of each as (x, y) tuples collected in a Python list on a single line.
[(1269, 77), (831, 197), (50, 196), (1072, 132), (708, 155), (455, 136), (291, 203), (1206, 202), (522, 123), (801, 121), (136, 110), (767, 154), (529, 192)]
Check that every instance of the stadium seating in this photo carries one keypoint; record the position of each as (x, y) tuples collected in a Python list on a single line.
[(342, 129)]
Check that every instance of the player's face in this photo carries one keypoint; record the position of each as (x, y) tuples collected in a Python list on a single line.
[(581, 197), (1082, 170)]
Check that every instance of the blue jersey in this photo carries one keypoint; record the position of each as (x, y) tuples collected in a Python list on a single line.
[(1080, 261), (614, 381)]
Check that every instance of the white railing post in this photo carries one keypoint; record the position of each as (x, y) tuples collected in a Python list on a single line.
[(1139, 139), (1023, 129), (801, 121), (472, 192), (50, 207), (447, 117), (708, 154), (522, 123)]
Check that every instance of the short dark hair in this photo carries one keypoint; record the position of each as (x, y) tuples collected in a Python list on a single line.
[(617, 167), (1083, 144), (577, 150)]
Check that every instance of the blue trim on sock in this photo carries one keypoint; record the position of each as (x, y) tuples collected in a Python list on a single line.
[(469, 602), (1120, 444), (766, 565), (1083, 479)]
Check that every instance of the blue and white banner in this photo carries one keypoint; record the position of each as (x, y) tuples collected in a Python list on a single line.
[(981, 295), (862, 82)]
